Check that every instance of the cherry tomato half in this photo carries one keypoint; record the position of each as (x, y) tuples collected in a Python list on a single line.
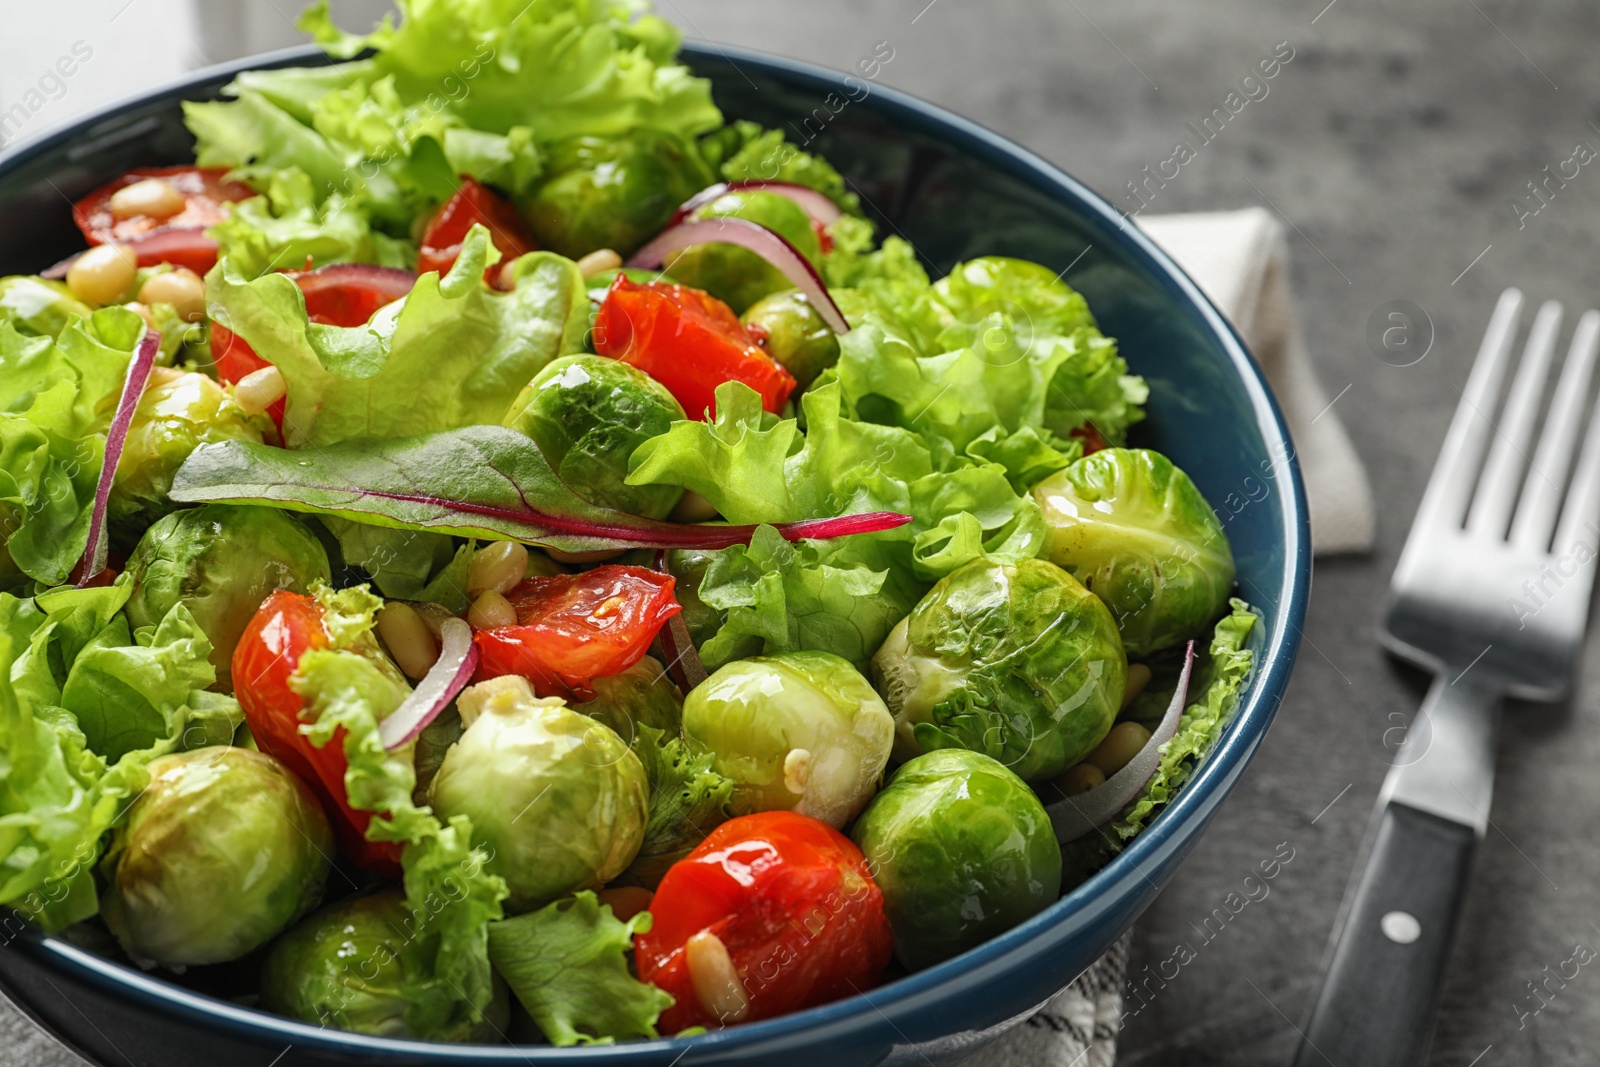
[(178, 239), (573, 628), (287, 626), (687, 340), (344, 294), (796, 911), (473, 203)]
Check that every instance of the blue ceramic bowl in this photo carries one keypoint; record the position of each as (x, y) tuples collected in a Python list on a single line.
[(954, 191)]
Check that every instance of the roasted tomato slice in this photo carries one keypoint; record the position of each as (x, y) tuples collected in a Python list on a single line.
[(687, 340), (769, 914), (573, 628), (344, 294), (287, 626), (473, 203), (176, 236)]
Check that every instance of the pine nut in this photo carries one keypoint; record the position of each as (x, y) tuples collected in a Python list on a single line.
[(796, 767), (491, 611), (259, 390), (602, 260), (1080, 779), (1124, 742), (141, 311), (692, 507), (407, 638), (104, 274), (152, 198), (716, 982), (626, 901), (499, 567), (1138, 678), (181, 288)]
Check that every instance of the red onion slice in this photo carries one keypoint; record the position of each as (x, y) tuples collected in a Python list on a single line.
[(1076, 816), (683, 659), (822, 210), (770, 246), (139, 367), (450, 673), (58, 272)]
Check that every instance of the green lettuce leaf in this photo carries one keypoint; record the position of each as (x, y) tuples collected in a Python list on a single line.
[(451, 895), (404, 564), (287, 228), (475, 347), (688, 799), (568, 965), (743, 151), (782, 597), (1221, 676), (562, 67), (38, 306)]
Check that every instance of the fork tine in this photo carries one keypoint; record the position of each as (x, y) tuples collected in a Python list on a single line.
[(1582, 509), (1450, 485), (1541, 496), (1508, 458)]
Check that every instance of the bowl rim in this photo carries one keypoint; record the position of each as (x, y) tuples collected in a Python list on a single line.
[(1117, 880)]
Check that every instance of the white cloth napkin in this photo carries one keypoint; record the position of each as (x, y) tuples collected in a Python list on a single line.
[(1241, 260)]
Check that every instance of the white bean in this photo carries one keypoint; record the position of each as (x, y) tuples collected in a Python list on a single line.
[(104, 274), (151, 198), (715, 980)]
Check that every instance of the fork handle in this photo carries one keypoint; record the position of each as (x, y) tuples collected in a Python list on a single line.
[(1382, 985)]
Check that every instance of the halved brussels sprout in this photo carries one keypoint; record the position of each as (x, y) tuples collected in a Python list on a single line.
[(221, 561), (962, 849), (640, 695), (175, 415), (735, 275), (341, 967), (789, 328), (558, 797), (1137, 533), (588, 414), (612, 192), (802, 731), (223, 850), (1019, 662)]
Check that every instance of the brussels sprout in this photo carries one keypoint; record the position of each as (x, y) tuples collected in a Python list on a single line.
[(221, 561), (176, 413), (612, 192), (799, 730), (39, 305), (962, 849), (640, 695), (587, 414), (558, 797), (223, 850), (1134, 529), (736, 275), (341, 967), (1019, 662), (792, 332)]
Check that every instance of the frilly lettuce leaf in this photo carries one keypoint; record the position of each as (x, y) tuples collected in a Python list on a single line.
[(562, 67), (475, 347), (568, 965), (287, 228), (56, 400), (758, 471), (38, 306), (782, 597), (451, 894), (743, 151)]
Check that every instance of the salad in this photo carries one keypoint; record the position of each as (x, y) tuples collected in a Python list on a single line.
[(495, 551)]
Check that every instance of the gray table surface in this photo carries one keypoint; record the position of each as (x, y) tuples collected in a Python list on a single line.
[(1396, 143)]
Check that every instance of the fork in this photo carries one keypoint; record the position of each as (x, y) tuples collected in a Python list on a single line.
[(1492, 595)]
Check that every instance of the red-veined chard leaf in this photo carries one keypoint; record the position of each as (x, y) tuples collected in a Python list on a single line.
[(479, 481)]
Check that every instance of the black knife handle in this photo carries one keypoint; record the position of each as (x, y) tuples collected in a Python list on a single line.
[(1376, 1005)]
